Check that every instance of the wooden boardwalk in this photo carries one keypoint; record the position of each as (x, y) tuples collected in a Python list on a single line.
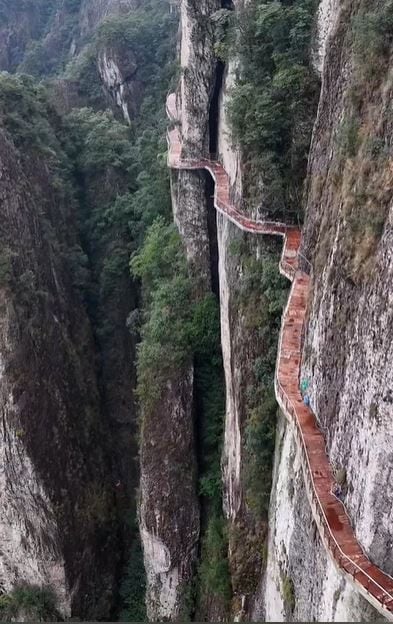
[(329, 513)]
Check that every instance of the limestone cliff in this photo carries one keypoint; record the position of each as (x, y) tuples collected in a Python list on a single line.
[(56, 490), (171, 543), (348, 340), (348, 237)]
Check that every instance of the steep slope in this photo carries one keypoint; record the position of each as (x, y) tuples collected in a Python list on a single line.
[(88, 187), (347, 115), (57, 522), (171, 544), (347, 345)]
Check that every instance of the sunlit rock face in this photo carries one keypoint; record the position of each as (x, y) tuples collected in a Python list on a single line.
[(29, 536), (118, 74), (328, 12), (301, 583), (347, 354)]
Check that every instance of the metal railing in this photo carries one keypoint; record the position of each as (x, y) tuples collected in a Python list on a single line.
[(290, 410)]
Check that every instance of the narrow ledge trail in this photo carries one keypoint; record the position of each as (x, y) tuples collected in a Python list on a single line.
[(329, 513)]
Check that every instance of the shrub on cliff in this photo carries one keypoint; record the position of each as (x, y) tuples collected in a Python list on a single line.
[(29, 603), (179, 328), (273, 103), (214, 576), (166, 344)]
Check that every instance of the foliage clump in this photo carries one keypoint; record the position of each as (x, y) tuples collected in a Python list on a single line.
[(133, 587), (213, 573), (262, 296), (273, 103), (288, 593), (29, 601)]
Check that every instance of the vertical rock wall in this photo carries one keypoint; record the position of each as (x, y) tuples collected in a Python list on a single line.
[(170, 545), (347, 349), (169, 512), (57, 519), (301, 583), (241, 345)]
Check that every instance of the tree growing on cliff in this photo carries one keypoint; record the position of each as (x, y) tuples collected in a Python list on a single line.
[(273, 102)]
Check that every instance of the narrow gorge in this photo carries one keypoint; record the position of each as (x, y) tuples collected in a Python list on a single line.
[(196, 269)]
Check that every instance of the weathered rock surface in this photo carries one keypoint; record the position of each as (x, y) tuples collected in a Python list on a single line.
[(301, 584), (56, 515), (169, 509), (348, 345)]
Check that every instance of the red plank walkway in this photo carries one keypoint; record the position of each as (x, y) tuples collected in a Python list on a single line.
[(329, 513)]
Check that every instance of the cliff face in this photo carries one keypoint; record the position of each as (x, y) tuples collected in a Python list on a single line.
[(289, 591), (348, 233), (56, 521), (348, 236), (42, 40), (171, 544), (168, 482)]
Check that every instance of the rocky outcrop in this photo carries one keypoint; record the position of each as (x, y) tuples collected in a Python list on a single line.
[(349, 340), (170, 539), (116, 73), (198, 63), (289, 592), (169, 509), (57, 499), (328, 11)]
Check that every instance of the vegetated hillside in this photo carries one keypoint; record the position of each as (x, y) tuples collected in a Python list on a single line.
[(39, 37), (80, 188), (57, 521)]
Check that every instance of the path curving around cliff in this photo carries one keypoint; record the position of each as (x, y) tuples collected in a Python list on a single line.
[(329, 513)]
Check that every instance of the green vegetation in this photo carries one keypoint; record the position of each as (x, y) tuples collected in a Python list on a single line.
[(166, 335), (177, 327), (213, 573), (27, 115), (36, 603), (288, 592), (372, 37), (180, 328), (141, 40), (209, 392), (362, 170), (224, 32), (273, 104), (134, 586), (262, 297), (112, 182)]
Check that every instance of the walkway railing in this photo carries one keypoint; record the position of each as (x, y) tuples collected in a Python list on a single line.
[(336, 532)]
